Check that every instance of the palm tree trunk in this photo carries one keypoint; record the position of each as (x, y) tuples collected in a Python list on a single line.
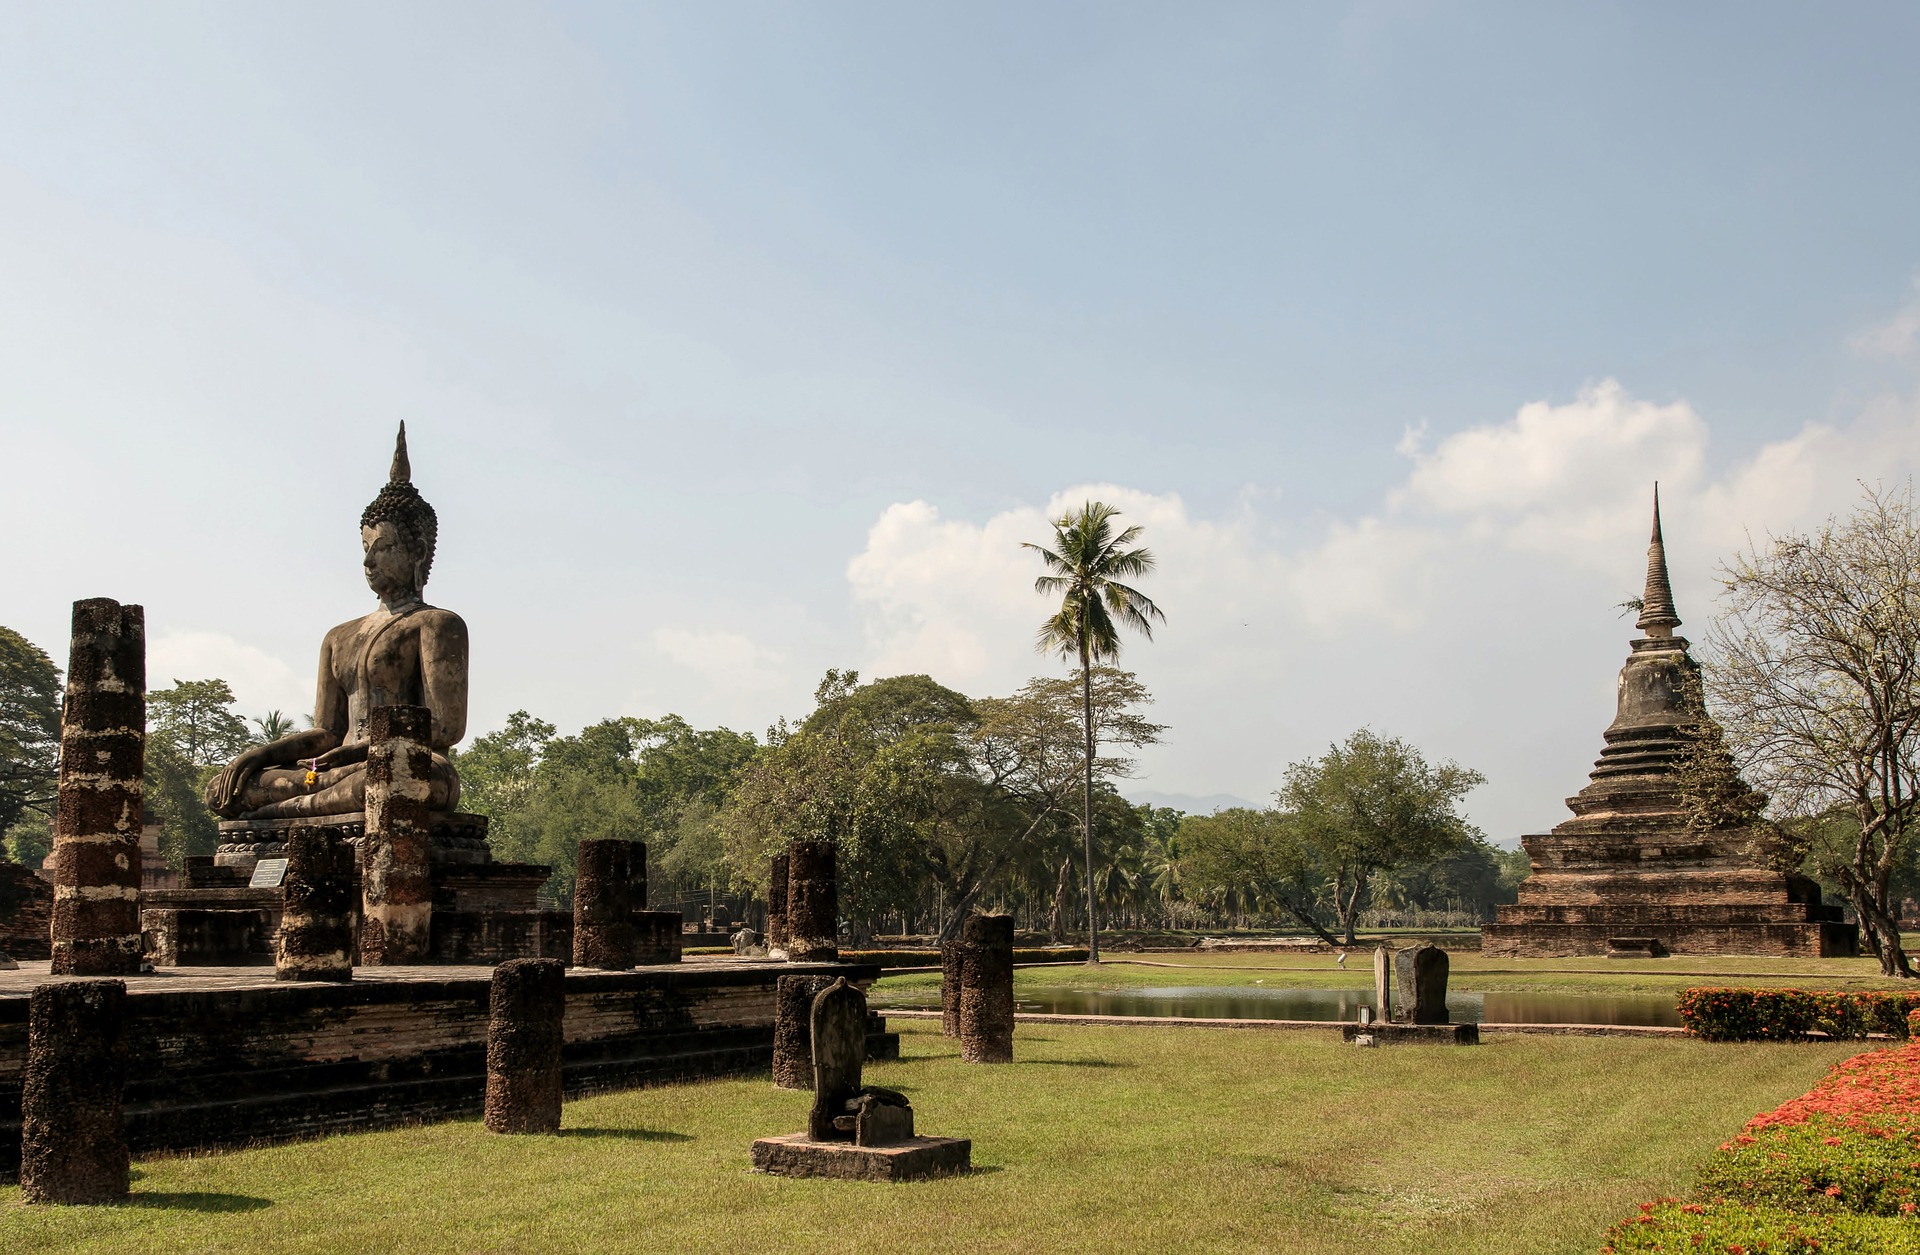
[(1086, 785)]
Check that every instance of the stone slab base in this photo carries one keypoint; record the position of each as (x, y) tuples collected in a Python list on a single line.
[(1824, 939), (1414, 1034), (914, 1159)]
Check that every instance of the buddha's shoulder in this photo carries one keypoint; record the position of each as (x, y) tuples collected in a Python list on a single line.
[(443, 622)]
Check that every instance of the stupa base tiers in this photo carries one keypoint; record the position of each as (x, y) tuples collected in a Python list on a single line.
[(1820, 940)]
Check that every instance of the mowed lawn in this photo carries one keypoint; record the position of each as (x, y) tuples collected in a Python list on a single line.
[(1097, 1139)]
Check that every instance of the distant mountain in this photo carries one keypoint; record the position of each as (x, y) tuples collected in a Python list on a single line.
[(1191, 803)]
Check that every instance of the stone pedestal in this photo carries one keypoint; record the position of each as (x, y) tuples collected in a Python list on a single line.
[(98, 814), (603, 904), (73, 1147), (315, 940), (396, 912), (526, 1011), (986, 990), (1380, 1034), (795, 1155), (813, 902), (793, 1029), (455, 841)]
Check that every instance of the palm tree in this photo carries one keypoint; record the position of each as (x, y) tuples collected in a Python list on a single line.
[(1084, 568), (273, 727)]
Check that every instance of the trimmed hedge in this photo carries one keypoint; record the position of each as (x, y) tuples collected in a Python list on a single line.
[(1793, 1014), (931, 958), (1670, 1225)]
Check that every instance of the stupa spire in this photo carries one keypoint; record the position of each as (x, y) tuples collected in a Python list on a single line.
[(1658, 618), (402, 472)]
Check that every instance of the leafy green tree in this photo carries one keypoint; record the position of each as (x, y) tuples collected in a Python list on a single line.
[(1085, 567), (497, 779), (1267, 858), (1373, 804), (192, 731), (29, 737)]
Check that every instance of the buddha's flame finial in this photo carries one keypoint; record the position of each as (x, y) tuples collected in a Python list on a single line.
[(1657, 615), (402, 472)]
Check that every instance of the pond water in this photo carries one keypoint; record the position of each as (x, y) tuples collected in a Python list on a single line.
[(1240, 1002)]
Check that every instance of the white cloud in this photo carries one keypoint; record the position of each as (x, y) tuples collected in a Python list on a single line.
[(1470, 611), (260, 681), (730, 661), (1898, 336)]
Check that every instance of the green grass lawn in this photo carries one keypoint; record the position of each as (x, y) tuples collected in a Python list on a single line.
[(1468, 972), (1098, 1139)]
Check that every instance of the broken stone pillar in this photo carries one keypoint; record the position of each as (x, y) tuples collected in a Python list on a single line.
[(986, 990), (396, 911), (603, 905), (73, 1147), (839, 1026), (793, 1029), (526, 1013), (953, 960), (98, 816), (1422, 976), (1382, 983), (813, 902), (777, 906), (316, 924)]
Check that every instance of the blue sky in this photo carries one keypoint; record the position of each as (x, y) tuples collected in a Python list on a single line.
[(741, 341)]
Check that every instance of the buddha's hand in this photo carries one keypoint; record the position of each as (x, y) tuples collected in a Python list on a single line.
[(340, 756), (224, 789)]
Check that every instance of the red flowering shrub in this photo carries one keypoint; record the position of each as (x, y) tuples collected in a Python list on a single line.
[(1836, 1169), (1792, 1014)]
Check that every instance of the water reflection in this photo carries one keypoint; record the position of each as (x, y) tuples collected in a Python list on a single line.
[(1331, 1005)]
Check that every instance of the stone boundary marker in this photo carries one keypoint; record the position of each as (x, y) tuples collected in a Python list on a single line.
[(526, 1011), (1178, 1021), (73, 1138), (98, 814)]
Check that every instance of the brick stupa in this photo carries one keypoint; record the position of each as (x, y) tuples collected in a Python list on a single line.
[(1628, 874)]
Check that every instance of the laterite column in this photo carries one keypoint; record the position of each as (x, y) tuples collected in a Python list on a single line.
[(525, 1016), (793, 1029), (603, 905), (986, 990), (98, 816), (813, 903), (73, 1147), (396, 910), (953, 961), (316, 922), (777, 905)]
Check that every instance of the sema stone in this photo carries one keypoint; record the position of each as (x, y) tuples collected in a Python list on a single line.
[(1382, 983), (73, 1140), (839, 1029), (1421, 973), (98, 811), (526, 1014)]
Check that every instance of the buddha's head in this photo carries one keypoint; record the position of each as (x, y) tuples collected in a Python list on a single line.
[(397, 533)]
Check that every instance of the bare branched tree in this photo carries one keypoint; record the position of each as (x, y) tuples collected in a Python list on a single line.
[(1815, 674)]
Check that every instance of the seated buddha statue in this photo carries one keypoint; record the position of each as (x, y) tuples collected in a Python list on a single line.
[(405, 653)]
